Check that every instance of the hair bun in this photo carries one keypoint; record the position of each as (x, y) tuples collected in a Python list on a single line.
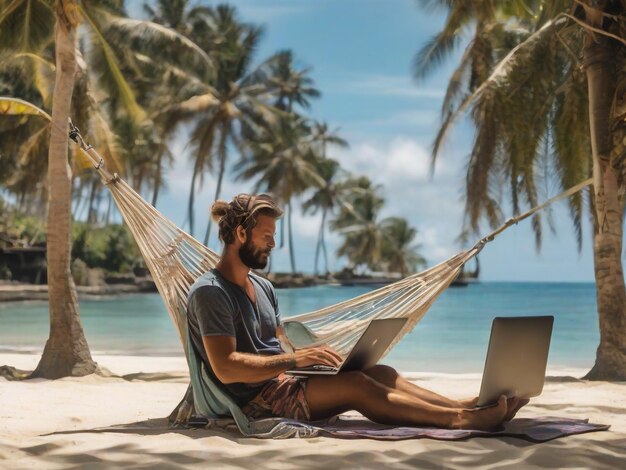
[(219, 209)]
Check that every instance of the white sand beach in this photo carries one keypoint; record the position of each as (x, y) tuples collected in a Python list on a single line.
[(66, 424)]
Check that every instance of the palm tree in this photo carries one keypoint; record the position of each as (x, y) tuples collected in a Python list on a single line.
[(224, 111), (329, 196), (281, 159), (26, 33), (358, 222), (290, 86), (398, 252), (552, 100), (66, 351), (325, 199)]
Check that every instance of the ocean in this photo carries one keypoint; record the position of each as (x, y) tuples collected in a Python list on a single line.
[(451, 338)]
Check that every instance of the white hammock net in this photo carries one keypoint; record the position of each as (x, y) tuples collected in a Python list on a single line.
[(176, 259)]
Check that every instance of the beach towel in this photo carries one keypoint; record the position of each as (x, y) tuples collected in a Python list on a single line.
[(540, 429)]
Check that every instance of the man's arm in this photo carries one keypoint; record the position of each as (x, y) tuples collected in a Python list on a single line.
[(284, 339), (231, 366)]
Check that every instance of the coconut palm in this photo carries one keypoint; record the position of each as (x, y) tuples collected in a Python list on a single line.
[(225, 110), (26, 31), (177, 15), (290, 86), (66, 351), (331, 194), (281, 159), (358, 222), (324, 199), (399, 254), (110, 44), (552, 102)]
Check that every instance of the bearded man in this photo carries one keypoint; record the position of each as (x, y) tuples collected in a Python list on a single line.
[(234, 323)]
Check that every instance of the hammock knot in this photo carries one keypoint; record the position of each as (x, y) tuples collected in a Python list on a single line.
[(114, 179), (74, 132)]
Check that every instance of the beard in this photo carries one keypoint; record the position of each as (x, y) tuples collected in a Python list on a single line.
[(252, 257)]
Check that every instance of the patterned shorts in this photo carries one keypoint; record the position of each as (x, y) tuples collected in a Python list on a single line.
[(282, 397)]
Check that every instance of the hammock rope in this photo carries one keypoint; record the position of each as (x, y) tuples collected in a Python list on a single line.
[(175, 260)]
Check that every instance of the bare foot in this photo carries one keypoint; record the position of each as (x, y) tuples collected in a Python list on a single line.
[(484, 419), (513, 405)]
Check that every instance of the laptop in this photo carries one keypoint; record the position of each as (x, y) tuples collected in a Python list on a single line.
[(369, 348), (516, 359)]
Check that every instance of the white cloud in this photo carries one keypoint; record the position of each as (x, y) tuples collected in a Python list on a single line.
[(386, 85), (400, 160), (432, 205)]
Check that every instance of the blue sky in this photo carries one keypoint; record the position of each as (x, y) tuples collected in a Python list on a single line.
[(361, 53)]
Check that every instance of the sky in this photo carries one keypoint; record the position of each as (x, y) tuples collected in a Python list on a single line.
[(361, 52)]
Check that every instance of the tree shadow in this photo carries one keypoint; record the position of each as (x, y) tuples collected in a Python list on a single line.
[(158, 426)]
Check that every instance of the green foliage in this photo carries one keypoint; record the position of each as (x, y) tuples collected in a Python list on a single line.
[(80, 272), (522, 81), (23, 229), (378, 245), (399, 254), (111, 248)]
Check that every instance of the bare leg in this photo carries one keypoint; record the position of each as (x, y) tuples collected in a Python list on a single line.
[(388, 376), (330, 395)]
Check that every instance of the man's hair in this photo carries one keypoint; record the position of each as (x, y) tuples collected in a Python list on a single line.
[(242, 210)]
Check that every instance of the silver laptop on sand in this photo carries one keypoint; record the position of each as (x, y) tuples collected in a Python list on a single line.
[(371, 345), (516, 358)]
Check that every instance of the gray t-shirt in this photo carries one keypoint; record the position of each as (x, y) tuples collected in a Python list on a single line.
[(217, 307)]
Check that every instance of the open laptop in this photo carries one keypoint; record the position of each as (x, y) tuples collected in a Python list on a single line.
[(516, 359), (369, 348)]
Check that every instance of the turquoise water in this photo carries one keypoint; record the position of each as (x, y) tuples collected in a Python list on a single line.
[(452, 337)]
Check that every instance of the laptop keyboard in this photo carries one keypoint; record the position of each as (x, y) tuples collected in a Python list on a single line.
[(320, 367)]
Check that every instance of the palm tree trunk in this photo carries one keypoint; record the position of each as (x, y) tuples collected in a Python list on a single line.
[(326, 271), (107, 215), (157, 179), (292, 256), (282, 233), (192, 195), (220, 178), (599, 59), (318, 245), (198, 167), (92, 212), (66, 351)]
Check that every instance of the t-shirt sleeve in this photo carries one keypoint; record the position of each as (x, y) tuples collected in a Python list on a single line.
[(275, 301), (214, 311)]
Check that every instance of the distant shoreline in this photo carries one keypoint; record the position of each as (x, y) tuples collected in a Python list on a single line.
[(11, 291), (15, 292)]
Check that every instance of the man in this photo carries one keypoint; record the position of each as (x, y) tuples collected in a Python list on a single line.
[(235, 324)]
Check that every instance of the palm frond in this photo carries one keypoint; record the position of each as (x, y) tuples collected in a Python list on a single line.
[(113, 69), (147, 35), (16, 107)]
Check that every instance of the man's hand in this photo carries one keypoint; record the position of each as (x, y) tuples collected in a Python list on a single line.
[(317, 355)]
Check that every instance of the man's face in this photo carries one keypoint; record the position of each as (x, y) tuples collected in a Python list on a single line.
[(255, 252)]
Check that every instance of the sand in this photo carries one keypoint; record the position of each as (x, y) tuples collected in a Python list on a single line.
[(69, 423)]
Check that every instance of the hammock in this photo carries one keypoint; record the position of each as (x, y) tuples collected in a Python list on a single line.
[(175, 260)]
